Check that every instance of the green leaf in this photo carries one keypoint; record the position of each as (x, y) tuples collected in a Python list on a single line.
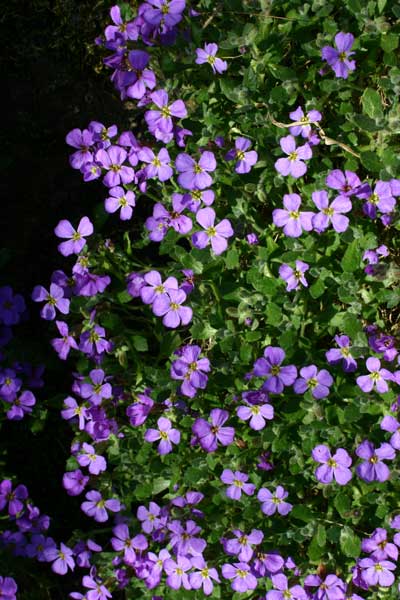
[(140, 343), (372, 104), (350, 543), (317, 288), (342, 504), (303, 513), (202, 331), (389, 42), (232, 259), (351, 258)]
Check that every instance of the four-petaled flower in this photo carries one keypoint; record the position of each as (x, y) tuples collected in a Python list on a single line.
[(215, 234), (377, 377), (270, 503), (293, 165), (338, 58), (245, 160), (291, 218), (318, 382), (165, 433), (208, 55), (373, 468), (332, 467), (209, 434), (294, 277), (237, 484)]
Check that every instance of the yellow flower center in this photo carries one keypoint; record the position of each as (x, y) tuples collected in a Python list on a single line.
[(292, 156), (294, 214), (211, 231)]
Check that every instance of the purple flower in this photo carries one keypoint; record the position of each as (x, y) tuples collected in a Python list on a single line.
[(391, 424), (335, 466), (96, 391), (21, 406), (183, 539), (97, 508), (318, 382), (338, 58), (8, 588), (342, 354), (112, 160), (379, 547), (64, 344), (209, 434), (237, 484), (76, 238), (347, 182), (294, 277), (14, 498), (193, 199), (88, 458), (89, 284), (177, 572), (62, 559), (74, 482), (150, 518), (139, 79), (215, 234), (93, 341), (139, 411), (377, 572), (373, 468), (277, 377), (203, 576), (291, 219), (270, 503), (163, 12), (10, 385), (123, 541), (82, 141), (11, 306), (127, 30), (332, 588), (282, 591), (121, 200), (252, 239), (170, 308), (241, 545), (208, 55), (313, 116), (376, 379), (160, 121), (191, 369), (157, 166), (154, 288), (181, 223), (330, 214), (193, 175), (293, 165), (165, 433), (242, 578), (54, 299), (245, 160), (98, 590), (380, 198), (257, 415)]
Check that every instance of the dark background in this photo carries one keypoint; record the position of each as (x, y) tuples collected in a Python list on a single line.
[(52, 81)]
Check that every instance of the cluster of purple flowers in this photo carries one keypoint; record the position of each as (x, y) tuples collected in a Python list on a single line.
[(165, 297), (190, 369)]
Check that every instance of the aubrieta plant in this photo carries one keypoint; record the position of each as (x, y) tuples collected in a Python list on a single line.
[(234, 392)]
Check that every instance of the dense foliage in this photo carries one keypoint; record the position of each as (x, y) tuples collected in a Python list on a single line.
[(230, 317)]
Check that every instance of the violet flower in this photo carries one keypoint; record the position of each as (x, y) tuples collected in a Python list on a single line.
[(377, 572), (332, 467), (13, 498), (330, 214), (376, 379), (191, 370), (165, 433), (245, 160), (347, 182), (76, 238), (242, 578), (21, 406), (82, 141), (62, 559), (392, 425), (88, 458), (277, 377), (272, 503), (291, 218), (342, 354), (97, 508), (373, 468), (203, 576), (312, 116), (282, 591), (381, 198), (112, 160), (241, 544), (257, 414), (294, 277), (177, 572), (121, 200), (237, 484), (293, 165), (209, 434), (338, 58), (192, 174), (215, 234), (318, 382), (379, 547), (140, 79), (53, 299), (157, 166), (64, 344), (160, 121), (11, 306), (208, 55), (171, 309)]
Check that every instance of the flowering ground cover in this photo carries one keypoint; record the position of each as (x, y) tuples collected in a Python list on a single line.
[(229, 316)]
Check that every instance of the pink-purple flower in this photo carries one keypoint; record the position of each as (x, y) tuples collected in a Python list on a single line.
[(291, 218), (318, 382), (195, 175), (293, 165), (332, 467), (121, 200), (339, 58), (209, 434), (214, 234), (377, 378), (330, 213), (274, 502), (237, 483), (373, 468), (241, 576), (257, 413), (306, 120), (208, 55), (165, 433), (277, 376), (245, 158), (294, 277), (75, 237)]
